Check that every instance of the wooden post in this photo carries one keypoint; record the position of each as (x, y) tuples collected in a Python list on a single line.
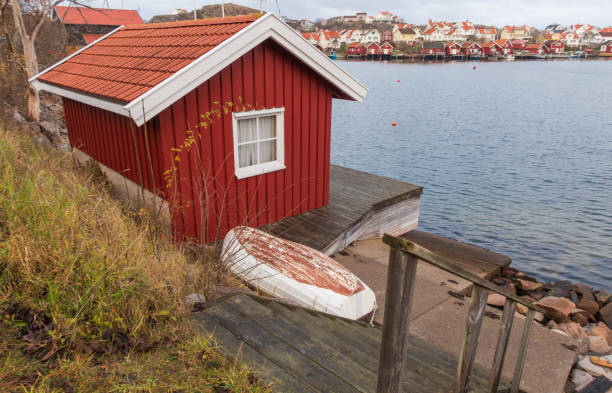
[(502, 344), (522, 353), (400, 286), (470, 336)]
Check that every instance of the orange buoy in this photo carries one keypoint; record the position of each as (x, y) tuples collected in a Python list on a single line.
[(474, 67), (398, 80), (394, 123)]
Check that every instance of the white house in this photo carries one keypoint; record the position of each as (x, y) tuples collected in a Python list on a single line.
[(371, 35), (489, 34), (435, 34), (350, 36), (465, 28), (387, 17), (570, 38), (306, 24), (329, 39)]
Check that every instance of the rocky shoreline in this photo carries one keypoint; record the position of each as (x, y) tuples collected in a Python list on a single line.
[(572, 309)]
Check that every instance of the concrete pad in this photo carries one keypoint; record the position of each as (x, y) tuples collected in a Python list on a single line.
[(548, 361), (432, 284)]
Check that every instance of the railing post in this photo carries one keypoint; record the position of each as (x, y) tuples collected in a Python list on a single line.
[(502, 344), (470, 336), (400, 287), (522, 353)]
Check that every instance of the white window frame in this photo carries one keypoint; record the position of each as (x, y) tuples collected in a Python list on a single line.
[(266, 167)]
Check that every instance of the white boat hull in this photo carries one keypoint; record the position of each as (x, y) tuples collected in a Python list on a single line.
[(297, 273)]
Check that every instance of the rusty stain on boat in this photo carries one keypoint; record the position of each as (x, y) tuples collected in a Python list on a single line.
[(299, 262)]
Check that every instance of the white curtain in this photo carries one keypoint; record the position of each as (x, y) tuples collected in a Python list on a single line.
[(267, 130), (267, 151), (256, 140), (247, 152)]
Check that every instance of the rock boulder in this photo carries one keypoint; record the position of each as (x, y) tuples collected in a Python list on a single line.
[(588, 305), (602, 297), (495, 299), (556, 308), (525, 285), (605, 313), (573, 330)]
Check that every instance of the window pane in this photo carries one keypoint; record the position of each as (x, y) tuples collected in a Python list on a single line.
[(247, 155), (267, 151), (267, 127), (247, 130)]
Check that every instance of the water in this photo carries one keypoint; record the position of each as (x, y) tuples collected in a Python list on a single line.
[(514, 157)]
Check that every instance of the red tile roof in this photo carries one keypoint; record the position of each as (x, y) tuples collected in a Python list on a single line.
[(136, 58), (89, 38), (97, 16), (430, 31)]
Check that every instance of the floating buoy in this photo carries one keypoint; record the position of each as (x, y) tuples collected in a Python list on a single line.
[(394, 123), (474, 67)]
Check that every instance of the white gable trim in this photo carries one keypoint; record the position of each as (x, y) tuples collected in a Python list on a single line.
[(84, 98), (188, 78)]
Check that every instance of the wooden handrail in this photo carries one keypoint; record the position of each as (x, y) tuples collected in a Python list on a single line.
[(434, 259)]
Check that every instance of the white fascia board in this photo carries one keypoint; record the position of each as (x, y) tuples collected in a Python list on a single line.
[(178, 85), (65, 59), (84, 98)]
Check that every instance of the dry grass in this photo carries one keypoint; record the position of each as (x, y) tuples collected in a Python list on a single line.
[(91, 299)]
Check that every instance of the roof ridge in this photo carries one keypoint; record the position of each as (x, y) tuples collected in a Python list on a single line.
[(198, 22)]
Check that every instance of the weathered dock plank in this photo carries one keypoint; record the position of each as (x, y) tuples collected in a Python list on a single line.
[(361, 205), (301, 350)]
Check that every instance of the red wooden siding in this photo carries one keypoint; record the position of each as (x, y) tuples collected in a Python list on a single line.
[(117, 142), (266, 77)]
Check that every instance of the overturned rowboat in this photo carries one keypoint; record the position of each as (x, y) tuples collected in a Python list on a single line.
[(297, 273)]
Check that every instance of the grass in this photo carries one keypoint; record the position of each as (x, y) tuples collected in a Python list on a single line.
[(91, 296)]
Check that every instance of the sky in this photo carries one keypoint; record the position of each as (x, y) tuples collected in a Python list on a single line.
[(537, 13)]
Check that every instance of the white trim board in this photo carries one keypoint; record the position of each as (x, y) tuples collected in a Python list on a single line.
[(199, 71)]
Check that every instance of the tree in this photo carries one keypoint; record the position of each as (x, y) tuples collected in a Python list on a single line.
[(38, 12)]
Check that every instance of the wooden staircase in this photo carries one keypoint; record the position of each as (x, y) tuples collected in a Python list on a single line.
[(299, 350)]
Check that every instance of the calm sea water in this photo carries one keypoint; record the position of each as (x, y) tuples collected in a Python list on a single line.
[(514, 157)]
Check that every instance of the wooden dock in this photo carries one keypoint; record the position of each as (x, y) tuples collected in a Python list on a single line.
[(361, 206), (299, 350)]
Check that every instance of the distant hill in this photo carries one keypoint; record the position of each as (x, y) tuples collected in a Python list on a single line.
[(208, 11)]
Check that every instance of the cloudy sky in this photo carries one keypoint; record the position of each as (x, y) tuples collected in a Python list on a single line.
[(536, 13)]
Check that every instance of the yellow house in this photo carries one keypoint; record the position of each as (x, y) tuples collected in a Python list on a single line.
[(515, 33), (404, 33)]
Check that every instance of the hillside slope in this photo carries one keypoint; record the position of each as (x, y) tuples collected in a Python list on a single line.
[(91, 295), (208, 11)]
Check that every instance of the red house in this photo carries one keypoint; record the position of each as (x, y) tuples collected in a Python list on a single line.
[(452, 49), (373, 49), (606, 48), (555, 46), (356, 49), (226, 120), (84, 25), (386, 49), (491, 49), (505, 47), (469, 48), (433, 48), (518, 44), (386, 36), (538, 49)]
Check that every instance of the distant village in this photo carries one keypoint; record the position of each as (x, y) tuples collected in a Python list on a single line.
[(384, 35)]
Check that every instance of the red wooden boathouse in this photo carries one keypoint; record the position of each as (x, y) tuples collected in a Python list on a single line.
[(141, 96), (356, 49), (555, 46)]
